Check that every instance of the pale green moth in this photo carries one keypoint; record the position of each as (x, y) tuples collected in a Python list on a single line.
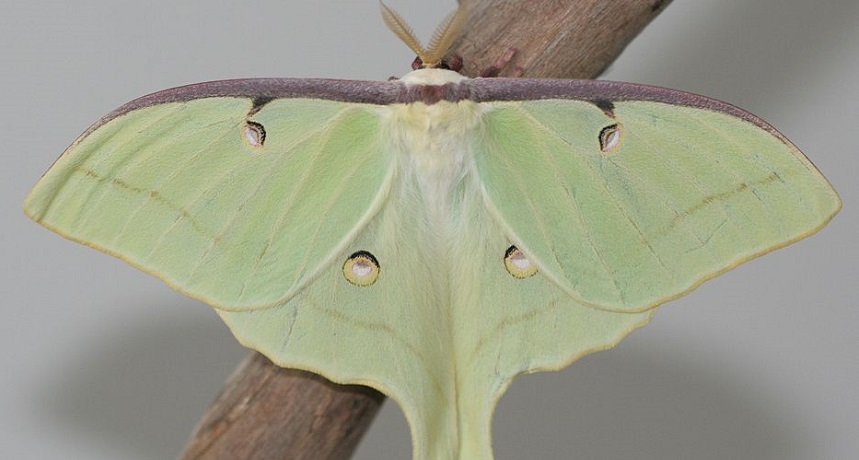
[(434, 236)]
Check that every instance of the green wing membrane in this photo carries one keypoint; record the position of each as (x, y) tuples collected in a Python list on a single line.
[(685, 195), (176, 190), (443, 333)]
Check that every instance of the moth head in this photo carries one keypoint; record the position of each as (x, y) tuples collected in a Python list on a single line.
[(441, 41)]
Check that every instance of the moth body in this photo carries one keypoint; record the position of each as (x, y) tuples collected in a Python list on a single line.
[(434, 146)]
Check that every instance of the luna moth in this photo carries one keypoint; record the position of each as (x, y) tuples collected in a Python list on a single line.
[(435, 236)]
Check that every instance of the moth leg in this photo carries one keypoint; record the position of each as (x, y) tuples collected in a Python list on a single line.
[(454, 63), (501, 63)]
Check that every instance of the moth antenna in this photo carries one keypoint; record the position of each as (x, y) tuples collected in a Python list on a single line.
[(401, 29), (445, 34)]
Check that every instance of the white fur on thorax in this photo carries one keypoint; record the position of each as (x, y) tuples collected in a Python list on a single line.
[(431, 77), (434, 142)]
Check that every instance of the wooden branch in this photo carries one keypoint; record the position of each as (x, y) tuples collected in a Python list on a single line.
[(265, 412), (553, 38)]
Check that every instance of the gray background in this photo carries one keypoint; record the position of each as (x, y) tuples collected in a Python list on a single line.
[(100, 361)]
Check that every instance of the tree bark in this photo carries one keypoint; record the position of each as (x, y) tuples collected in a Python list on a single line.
[(265, 412), (553, 38)]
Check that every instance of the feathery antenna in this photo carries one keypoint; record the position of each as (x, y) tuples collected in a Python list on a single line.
[(441, 41)]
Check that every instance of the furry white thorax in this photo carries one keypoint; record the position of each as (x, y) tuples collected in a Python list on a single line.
[(431, 77), (435, 144)]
